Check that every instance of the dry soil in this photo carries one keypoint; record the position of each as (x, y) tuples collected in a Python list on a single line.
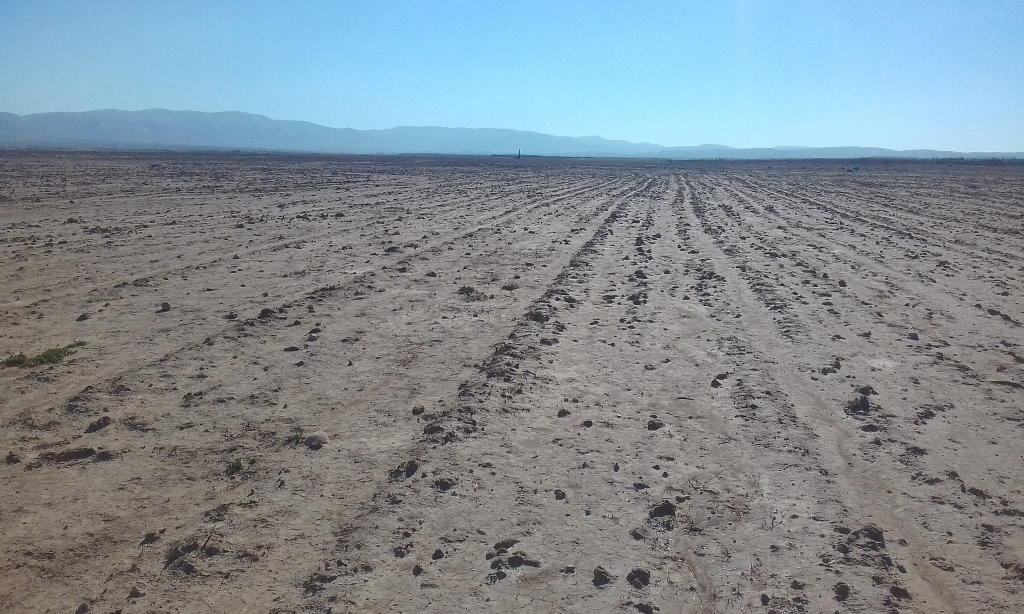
[(345, 384)]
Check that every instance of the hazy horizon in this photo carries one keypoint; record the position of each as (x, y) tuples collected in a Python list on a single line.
[(456, 143), (914, 75)]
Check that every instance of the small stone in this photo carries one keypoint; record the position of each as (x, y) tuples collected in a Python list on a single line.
[(164, 307), (136, 593), (438, 555), (417, 570), (312, 337), (231, 316), (12, 458), (82, 318)]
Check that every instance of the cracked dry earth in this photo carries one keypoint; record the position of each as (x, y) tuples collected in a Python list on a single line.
[(733, 387)]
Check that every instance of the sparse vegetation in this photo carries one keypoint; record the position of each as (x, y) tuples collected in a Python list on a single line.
[(16, 360), (295, 438), (470, 293), (51, 356), (324, 290), (234, 466)]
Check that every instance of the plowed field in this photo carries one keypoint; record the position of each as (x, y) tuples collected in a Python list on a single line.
[(316, 384)]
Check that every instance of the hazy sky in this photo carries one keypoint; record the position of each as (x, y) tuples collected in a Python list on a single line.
[(891, 73)]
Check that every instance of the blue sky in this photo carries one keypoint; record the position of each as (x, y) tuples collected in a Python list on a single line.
[(901, 74)]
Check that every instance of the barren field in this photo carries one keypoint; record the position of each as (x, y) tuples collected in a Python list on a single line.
[(315, 384)]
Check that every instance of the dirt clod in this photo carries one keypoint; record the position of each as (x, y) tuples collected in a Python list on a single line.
[(602, 577), (842, 591), (639, 578), (315, 441)]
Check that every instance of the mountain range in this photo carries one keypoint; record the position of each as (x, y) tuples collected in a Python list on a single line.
[(232, 130)]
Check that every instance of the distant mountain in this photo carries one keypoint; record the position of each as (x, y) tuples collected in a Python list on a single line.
[(189, 130)]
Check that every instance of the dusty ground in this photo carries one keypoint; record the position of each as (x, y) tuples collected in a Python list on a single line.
[(775, 387)]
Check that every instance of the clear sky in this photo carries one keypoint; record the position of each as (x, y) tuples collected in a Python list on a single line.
[(890, 73)]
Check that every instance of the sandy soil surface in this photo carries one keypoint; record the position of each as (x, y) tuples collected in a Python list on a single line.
[(773, 387)]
